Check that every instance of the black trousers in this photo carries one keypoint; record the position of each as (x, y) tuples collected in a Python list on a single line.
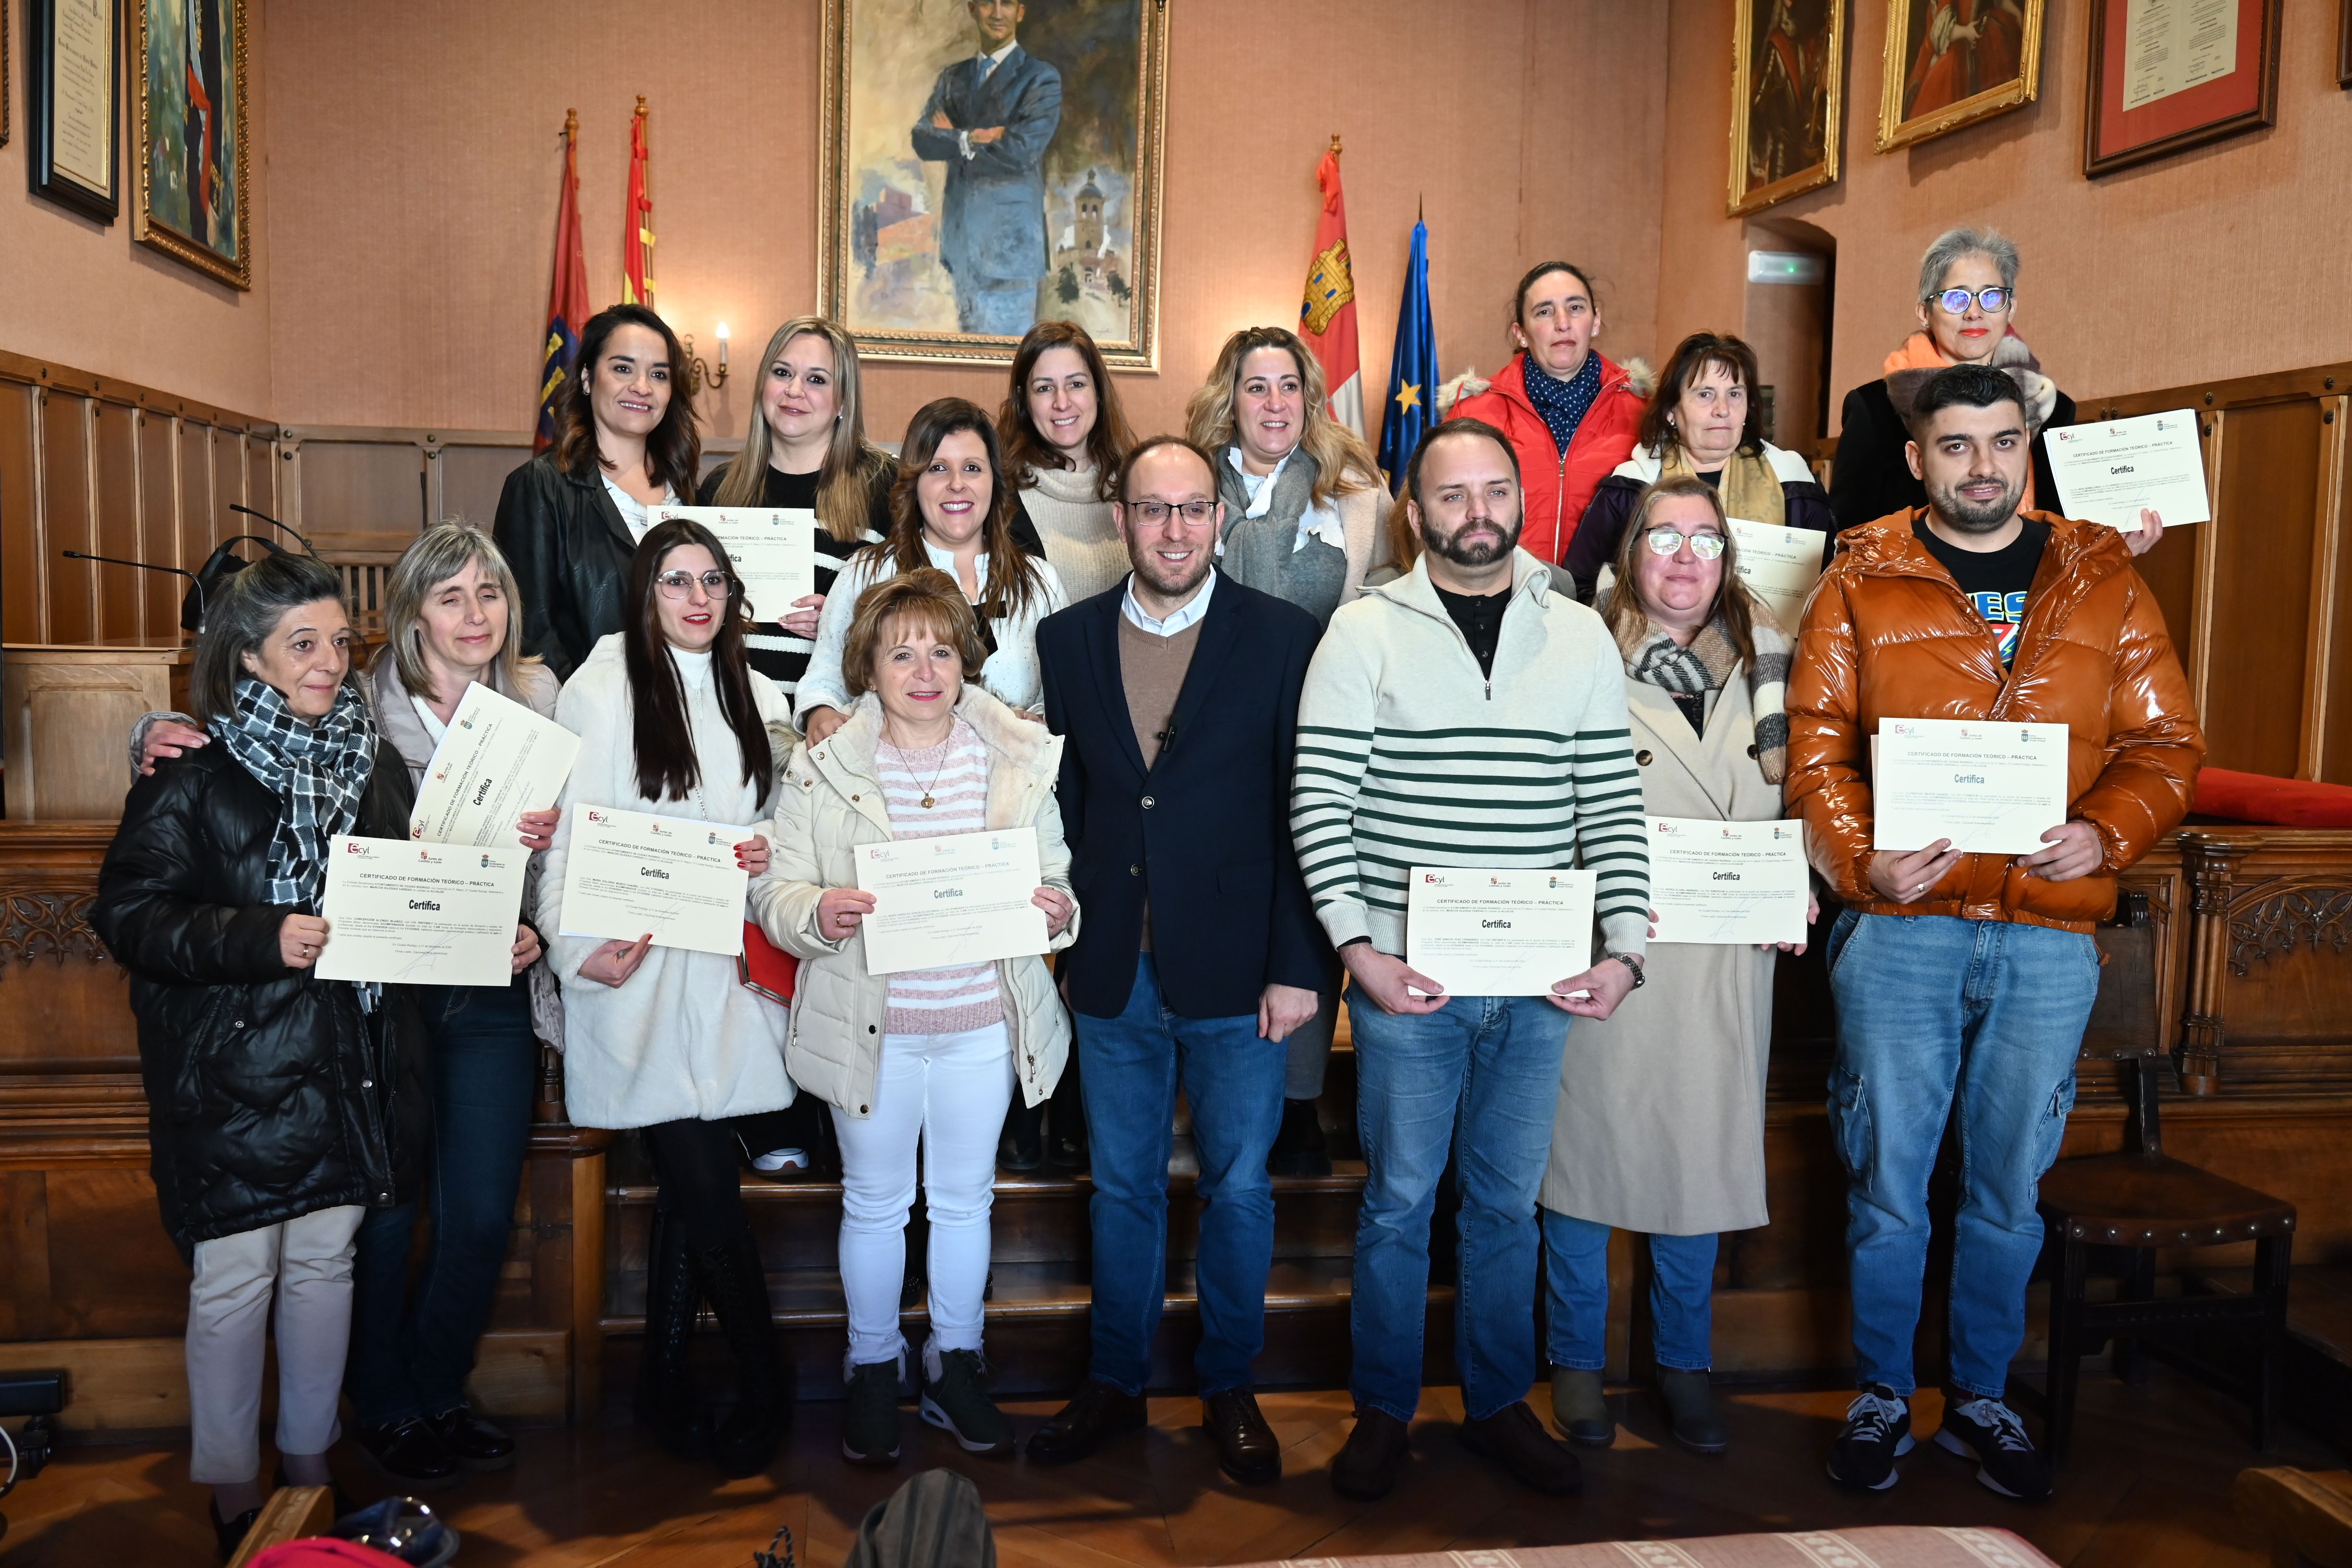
[(701, 1180)]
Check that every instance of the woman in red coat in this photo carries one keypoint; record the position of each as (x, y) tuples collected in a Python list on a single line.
[(1571, 414)]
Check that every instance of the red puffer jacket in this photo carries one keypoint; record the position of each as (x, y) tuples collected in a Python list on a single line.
[(1559, 484)]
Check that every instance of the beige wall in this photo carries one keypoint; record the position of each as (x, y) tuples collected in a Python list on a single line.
[(2229, 260), (86, 295), (413, 209)]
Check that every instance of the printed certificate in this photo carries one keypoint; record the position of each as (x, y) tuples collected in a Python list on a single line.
[(1726, 881), (420, 914), (498, 760), (774, 550), (629, 872), (1779, 565), (2106, 473), (1483, 932), (1991, 787), (961, 899)]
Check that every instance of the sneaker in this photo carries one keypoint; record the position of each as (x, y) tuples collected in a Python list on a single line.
[(869, 1419), (1990, 1432), (955, 1400), (782, 1162), (1877, 1433)]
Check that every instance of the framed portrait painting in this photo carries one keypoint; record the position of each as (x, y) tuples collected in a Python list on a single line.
[(987, 165), (194, 187), (2168, 77), (1951, 63), (1787, 96), (73, 71)]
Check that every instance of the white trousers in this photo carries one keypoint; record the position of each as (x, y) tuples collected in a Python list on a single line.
[(307, 1264), (948, 1093)]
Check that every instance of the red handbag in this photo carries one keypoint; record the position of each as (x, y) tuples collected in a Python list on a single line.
[(765, 968)]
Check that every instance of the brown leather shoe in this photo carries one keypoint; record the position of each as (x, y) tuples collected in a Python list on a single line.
[(1368, 1467), (1096, 1411), (1515, 1439), (1245, 1447)]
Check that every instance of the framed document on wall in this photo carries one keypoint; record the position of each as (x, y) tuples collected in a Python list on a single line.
[(2170, 75), (188, 60), (1952, 62), (1788, 95), (73, 71)]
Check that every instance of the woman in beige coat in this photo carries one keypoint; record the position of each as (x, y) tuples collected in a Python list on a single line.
[(926, 1058), (1660, 1127)]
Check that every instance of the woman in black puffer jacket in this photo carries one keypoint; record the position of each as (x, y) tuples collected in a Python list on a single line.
[(281, 1107)]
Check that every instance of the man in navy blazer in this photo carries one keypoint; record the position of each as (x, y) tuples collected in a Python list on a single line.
[(989, 120), (1178, 692)]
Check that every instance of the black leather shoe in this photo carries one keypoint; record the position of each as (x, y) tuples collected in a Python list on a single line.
[(1370, 1467), (230, 1532), (1298, 1146), (1020, 1149), (410, 1453), (1515, 1440), (1096, 1411), (1246, 1449), (473, 1442)]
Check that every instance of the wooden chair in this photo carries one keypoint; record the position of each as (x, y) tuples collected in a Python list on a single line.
[(292, 1513), (2141, 1199)]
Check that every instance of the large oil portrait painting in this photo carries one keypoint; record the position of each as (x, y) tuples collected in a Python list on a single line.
[(989, 164), (1951, 63), (1788, 97), (188, 59)]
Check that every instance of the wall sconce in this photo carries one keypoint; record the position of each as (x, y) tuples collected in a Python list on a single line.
[(699, 375)]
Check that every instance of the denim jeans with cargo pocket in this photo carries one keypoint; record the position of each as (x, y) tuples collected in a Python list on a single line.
[(1975, 1021)]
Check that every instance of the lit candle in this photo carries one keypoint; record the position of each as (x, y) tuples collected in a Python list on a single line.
[(722, 345)]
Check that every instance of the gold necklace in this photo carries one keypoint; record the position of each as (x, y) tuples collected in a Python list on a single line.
[(929, 790)]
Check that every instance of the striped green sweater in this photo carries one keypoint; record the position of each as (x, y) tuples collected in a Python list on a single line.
[(1409, 756)]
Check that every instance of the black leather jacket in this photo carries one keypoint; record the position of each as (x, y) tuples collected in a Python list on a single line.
[(571, 552), (269, 1094)]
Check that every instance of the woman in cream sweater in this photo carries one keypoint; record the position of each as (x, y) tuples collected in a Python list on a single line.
[(1065, 438)]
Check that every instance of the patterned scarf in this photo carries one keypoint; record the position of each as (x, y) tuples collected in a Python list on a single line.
[(1689, 674), (317, 771), (1750, 489), (1562, 404)]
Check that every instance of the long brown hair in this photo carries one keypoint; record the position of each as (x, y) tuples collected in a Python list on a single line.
[(1026, 450), (1343, 463), (668, 765), (853, 464), (673, 450), (1013, 582), (1693, 357), (1625, 613)]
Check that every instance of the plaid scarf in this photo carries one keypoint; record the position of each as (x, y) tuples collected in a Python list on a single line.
[(1562, 404), (1689, 674), (317, 771)]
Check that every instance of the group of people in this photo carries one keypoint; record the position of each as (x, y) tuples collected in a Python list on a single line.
[(1237, 695)]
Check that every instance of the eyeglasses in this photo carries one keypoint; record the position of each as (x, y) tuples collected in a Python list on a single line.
[(1666, 541), (1992, 300), (678, 584), (1155, 512)]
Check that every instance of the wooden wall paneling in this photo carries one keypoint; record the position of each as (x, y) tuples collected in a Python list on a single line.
[(65, 507), (473, 469), (159, 496), (261, 478), (134, 1287), (2328, 727), (195, 478), (228, 485), (2170, 571), (366, 482), (24, 608), (25, 1229), (119, 523), (2263, 540)]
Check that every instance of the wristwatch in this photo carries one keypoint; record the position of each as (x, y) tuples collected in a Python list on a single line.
[(1633, 963)]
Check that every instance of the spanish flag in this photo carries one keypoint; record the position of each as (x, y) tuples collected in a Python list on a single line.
[(567, 299), (1327, 317), (637, 220)]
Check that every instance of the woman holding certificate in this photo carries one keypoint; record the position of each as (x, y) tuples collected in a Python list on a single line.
[(952, 510), (919, 1057), (280, 1108), (674, 723), (1660, 1127)]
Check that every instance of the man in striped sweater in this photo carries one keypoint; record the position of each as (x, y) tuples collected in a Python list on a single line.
[(1465, 714)]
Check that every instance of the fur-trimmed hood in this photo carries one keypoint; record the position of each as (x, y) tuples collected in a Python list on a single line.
[(1909, 366)]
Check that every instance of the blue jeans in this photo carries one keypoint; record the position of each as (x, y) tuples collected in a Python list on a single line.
[(1480, 1075), (1576, 1288), (1129, 1067), (412, 1350), (1932, 1009)]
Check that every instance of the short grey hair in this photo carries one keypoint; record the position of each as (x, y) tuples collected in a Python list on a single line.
[(242, 613), (439, 554), (1955, 243)]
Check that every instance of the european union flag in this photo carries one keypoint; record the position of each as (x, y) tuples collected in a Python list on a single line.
[(1413, 368)]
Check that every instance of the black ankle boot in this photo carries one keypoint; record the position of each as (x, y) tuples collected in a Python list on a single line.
[(665, 1402), (736, 1286), (1020, 1149)]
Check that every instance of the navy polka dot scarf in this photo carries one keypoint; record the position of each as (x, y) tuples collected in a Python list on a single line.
[(1562, 404)]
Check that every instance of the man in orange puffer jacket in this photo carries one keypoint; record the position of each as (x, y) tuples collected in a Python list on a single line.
[(1971, 976)]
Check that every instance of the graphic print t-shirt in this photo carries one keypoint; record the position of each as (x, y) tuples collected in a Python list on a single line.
[(1995, 581)]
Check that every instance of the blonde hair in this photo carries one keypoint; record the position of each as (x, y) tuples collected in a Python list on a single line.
[(926, 596), (846, 482), (1343, 464), (439, 554), (1628, 617)]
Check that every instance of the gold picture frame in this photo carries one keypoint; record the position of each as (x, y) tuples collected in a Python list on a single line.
[(1788, 100), (173, 213), (1954, 80), (883, 221)]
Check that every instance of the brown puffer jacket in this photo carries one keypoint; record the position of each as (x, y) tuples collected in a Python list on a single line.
[(1888, 634)]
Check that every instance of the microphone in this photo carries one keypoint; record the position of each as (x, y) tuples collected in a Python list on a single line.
[(275, 523), (195, 594)]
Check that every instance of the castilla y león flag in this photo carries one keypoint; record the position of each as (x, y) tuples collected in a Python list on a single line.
[(1327, 317), (637, 221), (567, 300)]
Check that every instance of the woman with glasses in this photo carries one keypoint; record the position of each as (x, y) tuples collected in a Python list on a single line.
[(1703, 420), (673, 721), (1660, 1124)]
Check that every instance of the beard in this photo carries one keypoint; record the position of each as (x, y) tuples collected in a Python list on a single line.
[(1171, 582), (1976, 517), (1482, 552)]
